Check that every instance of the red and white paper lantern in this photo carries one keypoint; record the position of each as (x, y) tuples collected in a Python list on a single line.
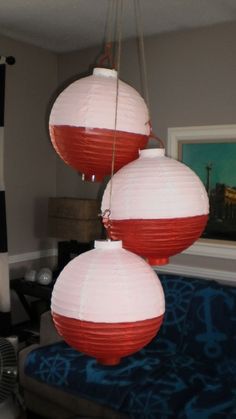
[(82, 124), (159, 206), (108, 302)]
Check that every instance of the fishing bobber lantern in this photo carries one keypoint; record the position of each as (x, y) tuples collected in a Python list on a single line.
[(108, 302), (92, 114), (158, 206)]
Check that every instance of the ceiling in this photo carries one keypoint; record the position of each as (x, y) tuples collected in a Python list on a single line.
[(68, 25)]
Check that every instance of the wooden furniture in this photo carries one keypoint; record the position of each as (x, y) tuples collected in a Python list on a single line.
[(74, 219)]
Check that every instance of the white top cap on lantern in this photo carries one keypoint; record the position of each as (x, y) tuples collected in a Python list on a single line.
[(152, 153), (155, 187), (91, 102), (108, 244), (109, 285), (104, 72)]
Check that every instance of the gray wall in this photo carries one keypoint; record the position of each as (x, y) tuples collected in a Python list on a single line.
[(191, 76), (191, 80), (30, 162)]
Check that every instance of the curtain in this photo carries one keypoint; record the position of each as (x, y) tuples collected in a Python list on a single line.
[(5, 318)]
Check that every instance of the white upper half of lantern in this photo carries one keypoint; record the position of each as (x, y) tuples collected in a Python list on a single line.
[(109, 285), (91, 102), (155, 187)]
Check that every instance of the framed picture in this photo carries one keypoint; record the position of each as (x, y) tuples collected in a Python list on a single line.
[(210, 151)]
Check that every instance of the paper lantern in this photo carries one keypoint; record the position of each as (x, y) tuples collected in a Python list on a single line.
[(159, 206), (108, 302), (82, 124)]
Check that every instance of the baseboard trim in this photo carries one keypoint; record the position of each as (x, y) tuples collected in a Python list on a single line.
[(197, 272), (185, 270), (24, 257), (211, 248)]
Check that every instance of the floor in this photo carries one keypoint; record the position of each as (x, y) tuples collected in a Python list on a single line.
[(29, 415)]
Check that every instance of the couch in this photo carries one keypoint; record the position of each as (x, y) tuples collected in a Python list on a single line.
[(187, 371)]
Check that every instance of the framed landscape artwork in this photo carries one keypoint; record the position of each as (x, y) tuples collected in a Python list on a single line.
[(210, 151)]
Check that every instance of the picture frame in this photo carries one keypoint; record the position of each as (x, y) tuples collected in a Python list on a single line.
[(207, 141)]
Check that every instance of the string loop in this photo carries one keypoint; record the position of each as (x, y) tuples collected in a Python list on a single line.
[(138, 14), (155, 137), (106, 56), (119, 32)]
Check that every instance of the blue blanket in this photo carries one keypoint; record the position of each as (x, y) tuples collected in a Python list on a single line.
[(187, 371)]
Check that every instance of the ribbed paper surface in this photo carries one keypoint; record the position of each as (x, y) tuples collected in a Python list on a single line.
[(157, 240), (91, 102), (108, 285), (108, 342), (90, 150), (155, 187)]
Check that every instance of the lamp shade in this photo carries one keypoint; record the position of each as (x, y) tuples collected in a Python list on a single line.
[(108, 302), (82, 124), (159, 206)]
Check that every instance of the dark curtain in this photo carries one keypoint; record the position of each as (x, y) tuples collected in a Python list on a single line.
[(5, 318)]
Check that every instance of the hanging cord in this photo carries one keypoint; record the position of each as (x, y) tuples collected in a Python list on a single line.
[(107, 55), (144, 79), (110, 21), (119, 32), (119, 19), (161, 143), (116, 32), (137, 8)]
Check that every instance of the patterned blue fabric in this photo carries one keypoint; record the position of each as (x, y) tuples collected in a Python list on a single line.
[(187, 372), (63, 367), (178, 295), (209, 333), (185, 390)]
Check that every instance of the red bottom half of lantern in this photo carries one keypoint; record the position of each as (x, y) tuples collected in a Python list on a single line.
[(107, 342), (158, 239), (90, 150)]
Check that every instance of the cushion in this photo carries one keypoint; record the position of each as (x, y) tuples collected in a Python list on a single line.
[(63, 367)]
